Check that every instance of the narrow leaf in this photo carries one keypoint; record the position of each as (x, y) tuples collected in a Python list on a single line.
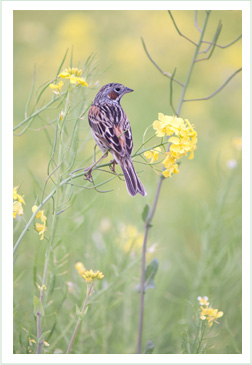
[(150, 274), (145, 212)]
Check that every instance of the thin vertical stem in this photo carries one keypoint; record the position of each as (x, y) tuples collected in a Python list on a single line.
[(157, 194), (147, 227), (89, 291), (49, 248)]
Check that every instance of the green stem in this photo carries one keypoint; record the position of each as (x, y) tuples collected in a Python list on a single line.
[(89, 291), (192, 64), (49, 248), (39, 111), (157, 194)]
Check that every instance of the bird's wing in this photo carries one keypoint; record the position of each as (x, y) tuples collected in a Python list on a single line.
[(111, 128)]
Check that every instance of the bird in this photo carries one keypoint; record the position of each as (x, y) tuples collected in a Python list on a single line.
[(111, 131)]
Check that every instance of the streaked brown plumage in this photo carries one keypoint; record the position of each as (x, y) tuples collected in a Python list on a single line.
[(111, 129)]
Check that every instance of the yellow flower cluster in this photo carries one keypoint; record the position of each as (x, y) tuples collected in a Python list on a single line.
[(207, 312), (88, 275), (74, 75), (183, 140), (91, 275), (40, 228), (80, 268), (56, 87), (18, 200)]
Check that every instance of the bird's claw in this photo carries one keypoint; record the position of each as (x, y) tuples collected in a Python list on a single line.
[(112, 165)]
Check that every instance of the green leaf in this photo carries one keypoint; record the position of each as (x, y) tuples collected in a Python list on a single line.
[(38, 307), (62, 62), (43, 336), (150, 274), (77, 311), (80, 314), (145, 212), (149, 347)]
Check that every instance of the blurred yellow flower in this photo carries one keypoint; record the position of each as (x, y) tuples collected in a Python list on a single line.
[(17, 203), (91, 275), (40, 214), (152, 155), (210, 314), (17, 208), (41, 229), (74, 75), (80, 268), (237, 143), (203, 301), (130, 238), (16, 196), (31, 341), (62, 115), (56, 87)]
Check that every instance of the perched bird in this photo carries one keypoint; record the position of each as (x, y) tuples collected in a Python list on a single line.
[(111, 129)]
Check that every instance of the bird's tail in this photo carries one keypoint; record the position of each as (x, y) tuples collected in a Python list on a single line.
[(133, 183)]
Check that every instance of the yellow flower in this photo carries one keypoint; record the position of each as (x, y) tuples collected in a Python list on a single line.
[(40, 214), (161, 124), (61, 115), (152, 154), (74, 75), (203, 301), (210, 314), (91, 275), (16, 196), (237, 143), (130, 238), (181, 146), (17, 208), (172, 170), (80, 268), (183, 141), (17, 203), (31, 341), (56, 87), (42, 288), (170, 165), (41, 229)]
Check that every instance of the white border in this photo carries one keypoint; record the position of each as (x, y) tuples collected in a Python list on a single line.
[(7, 153)]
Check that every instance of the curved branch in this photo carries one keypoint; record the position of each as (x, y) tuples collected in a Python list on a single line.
[(196, 21), (216, 36), (227, 45), (218, 90), (167, 74), (171, 92), (179, 32)]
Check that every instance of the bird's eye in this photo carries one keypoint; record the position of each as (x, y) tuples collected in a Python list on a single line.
[(117, 89)]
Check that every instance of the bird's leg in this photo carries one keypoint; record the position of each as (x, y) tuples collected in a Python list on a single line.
[(88, 170), (112, 167)]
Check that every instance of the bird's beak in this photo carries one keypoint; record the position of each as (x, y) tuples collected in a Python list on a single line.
[(128, 90)]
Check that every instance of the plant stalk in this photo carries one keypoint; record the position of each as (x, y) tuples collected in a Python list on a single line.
[(89, 291), (49, 248), (157, 194)]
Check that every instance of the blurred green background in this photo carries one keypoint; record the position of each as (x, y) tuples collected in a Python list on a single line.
[(196, 233)]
